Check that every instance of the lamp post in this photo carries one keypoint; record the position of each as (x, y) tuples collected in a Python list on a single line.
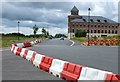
[(88, 24), (18, 30)]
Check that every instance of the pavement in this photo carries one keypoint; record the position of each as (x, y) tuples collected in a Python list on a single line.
[(16, 68)]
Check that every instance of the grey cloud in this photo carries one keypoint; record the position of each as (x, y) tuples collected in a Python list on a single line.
[(53, 13)]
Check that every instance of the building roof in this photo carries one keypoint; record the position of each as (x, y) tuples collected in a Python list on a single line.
[(94, 19), (74, 9)]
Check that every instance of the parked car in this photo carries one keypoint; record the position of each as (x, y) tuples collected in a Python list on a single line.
[(62, 38), (50, 37)]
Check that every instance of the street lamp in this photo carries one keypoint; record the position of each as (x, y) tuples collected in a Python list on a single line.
[(18, 30), (88, 23)]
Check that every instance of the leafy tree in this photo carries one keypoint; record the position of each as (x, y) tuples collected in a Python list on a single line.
[(60, 35), (47, 33), (80, 33), (44, 30), (35, 28)]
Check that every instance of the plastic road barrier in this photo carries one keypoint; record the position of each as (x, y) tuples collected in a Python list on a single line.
[(46, 63), (57, 67)]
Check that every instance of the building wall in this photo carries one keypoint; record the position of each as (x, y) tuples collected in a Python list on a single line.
[(95, 29)]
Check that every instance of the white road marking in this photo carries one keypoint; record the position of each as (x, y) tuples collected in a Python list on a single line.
[(72, 43)]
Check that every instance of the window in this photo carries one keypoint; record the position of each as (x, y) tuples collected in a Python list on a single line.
[(98, 20), (73, 30), (80, 25), (109, 31), (102, 31), (116, 32), (91, 31), (94, 31), (98, 31), (105, 31), (91, 20), (91, 25), (88, 31), (112, 31), (73, 25), (105, 21), (84, 20)]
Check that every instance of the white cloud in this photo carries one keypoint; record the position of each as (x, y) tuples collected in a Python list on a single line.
[(55, 30), (59, 1), (98, 10), (24, 30), (56, 19)]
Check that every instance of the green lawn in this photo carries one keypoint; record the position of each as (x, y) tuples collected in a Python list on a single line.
[(6, 41), (82, 39)]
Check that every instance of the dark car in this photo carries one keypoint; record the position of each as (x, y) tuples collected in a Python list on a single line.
[(50, 37), (62, 38)]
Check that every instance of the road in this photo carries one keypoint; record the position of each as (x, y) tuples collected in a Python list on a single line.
[(16, 68)]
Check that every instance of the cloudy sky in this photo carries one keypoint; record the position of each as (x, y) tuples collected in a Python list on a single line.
[(51, 15)]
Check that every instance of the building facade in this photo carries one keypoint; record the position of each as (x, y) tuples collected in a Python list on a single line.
[(96, 25)]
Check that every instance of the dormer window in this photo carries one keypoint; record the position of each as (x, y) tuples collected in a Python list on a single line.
[(84, 20), (98, 20), (105, 21), (91, 20)]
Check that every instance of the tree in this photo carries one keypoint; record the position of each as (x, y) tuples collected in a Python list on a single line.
[(35, 28), (60, 35), (47, 33), (80, 33), (43, 31)]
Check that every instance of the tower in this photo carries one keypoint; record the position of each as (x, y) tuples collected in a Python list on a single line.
[(74, 15), (74, 11)]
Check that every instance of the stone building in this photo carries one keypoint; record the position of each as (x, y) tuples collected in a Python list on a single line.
[(98, 26)]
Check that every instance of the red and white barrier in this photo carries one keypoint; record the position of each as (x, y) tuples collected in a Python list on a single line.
[(15, 50), (57, 67), (21, 45), (37, 60), (93, 74), (45, 63), (12, 48), (29, 55), (63, 69), (71, 72), (22, 52)]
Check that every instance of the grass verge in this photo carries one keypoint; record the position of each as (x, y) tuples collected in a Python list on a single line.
[(82, 39), (6, 41)]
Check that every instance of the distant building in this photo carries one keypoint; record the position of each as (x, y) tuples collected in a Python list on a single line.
[(99, 26)]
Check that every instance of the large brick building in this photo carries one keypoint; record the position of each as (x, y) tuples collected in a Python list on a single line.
[(98, 25)]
